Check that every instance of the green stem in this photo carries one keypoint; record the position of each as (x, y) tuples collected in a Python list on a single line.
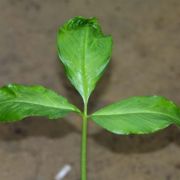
[(84, 145)]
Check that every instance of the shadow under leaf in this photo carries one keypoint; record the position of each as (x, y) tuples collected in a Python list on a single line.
[(138, 143), (36, 126)]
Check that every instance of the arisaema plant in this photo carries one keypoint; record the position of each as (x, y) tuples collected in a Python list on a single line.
[(85, 53)]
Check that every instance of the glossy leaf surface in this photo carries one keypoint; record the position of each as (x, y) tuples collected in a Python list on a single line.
[(18, 102), (85, 52), (138, 115)]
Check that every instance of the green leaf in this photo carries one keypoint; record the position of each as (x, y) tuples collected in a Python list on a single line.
[(85, 52), (138, 115), (18, 102)]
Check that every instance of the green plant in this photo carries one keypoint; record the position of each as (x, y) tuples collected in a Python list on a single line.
[(85, 52)]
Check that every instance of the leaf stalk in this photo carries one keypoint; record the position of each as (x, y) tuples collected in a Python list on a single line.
[(84, 144)]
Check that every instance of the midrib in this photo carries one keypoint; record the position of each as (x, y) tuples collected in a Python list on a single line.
[(84, 75), (136, 112), (28, 102)]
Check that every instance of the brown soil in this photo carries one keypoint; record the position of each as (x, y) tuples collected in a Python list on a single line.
[(146, 61)]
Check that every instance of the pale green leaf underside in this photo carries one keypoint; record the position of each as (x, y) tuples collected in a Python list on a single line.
[(18, 102), (138, 115), (85, 52)]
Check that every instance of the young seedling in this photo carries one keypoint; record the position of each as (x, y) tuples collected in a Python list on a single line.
[(85, 52)]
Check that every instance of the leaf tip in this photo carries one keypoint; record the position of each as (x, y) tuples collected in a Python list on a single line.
[(80, 21)]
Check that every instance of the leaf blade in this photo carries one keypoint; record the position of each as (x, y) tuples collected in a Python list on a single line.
[(138, 115), (18, 102), (85, 52)]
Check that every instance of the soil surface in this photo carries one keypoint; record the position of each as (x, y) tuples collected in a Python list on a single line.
[(146, 61)]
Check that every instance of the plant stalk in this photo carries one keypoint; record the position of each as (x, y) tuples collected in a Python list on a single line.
[(84, 145)]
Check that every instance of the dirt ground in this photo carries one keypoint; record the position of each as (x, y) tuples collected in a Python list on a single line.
[(146, 61)]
